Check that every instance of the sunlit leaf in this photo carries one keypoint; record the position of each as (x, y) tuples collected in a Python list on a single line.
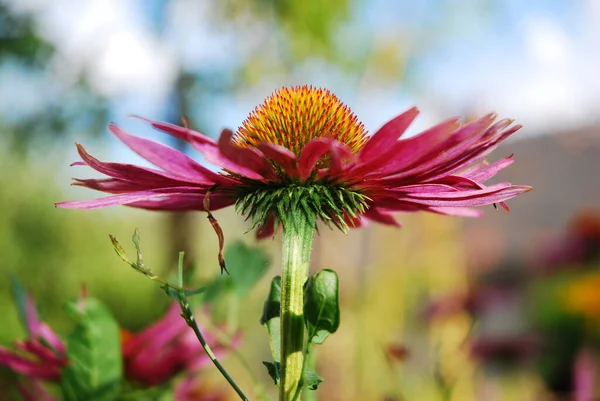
[(95, 370), (322, 305), (311, 379), (246, 266)]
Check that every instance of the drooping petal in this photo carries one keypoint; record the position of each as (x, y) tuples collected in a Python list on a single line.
[(488, 172), (129, 172), (266, 229), (182, 202), (492, 194), (111, 185), (378, 216), (127, 198)]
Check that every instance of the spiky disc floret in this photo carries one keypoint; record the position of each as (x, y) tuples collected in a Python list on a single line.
[(293, 116)]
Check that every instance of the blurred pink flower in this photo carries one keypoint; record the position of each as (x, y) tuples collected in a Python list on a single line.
[(164, 349), (579, 246), (40, 357), (305, 138), (585, 372), (516, 348)]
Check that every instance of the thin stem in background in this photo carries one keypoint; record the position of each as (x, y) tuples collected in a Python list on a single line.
[(187, 314)]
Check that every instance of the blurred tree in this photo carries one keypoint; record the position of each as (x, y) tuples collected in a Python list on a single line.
[(76, 108)]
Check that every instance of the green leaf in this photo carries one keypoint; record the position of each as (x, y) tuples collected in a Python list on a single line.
[(322, 305), (95, 371), (311, 379), (270, 318), (246, 266), (273, 368)]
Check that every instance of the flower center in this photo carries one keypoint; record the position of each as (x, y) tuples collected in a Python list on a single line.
[(291, 117)]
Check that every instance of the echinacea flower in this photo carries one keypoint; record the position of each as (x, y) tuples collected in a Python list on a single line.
[(41, 357), (303, 156), (303, 149), (162, 350)]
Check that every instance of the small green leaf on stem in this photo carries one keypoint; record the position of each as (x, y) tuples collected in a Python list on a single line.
[(270, 318), (119, 249), (136, 242), (274, 369), (311, 379), (322, 305)]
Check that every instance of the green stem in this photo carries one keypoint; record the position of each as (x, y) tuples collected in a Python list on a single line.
[(298, 232), (187, 314)]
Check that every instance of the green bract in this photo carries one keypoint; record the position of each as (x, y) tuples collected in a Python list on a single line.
[(332, 203)]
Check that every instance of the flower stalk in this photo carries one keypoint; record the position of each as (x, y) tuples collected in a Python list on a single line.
[(298, 232)]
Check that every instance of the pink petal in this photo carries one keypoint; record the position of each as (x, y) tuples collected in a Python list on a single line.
[(492, 194), (183, 202), (40, 351), (129, 172), (127, 198), (486, 173), (408, 152), (31, 317), (110, 185), (311, 153), (456, 211), (243, 161), (446, 148), (285, 158), (33, 390), (339, 154), (168, 159), (267, 229), (378, 216), (28, 367), (387, 135), (200, 141)]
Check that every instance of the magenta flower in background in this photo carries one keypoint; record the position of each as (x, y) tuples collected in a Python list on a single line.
[(304, 140), (41, 357), (162, 350)]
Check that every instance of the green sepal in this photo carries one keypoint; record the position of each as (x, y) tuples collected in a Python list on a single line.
[(330, 202), (95, 370), (322, 305)]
